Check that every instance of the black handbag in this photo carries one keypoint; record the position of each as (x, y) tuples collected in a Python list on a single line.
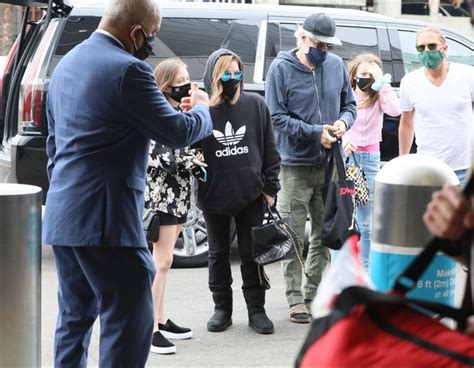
[(151, 225), (274, 240), (338, 216)]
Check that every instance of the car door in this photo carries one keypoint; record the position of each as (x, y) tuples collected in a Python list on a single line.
[(19, 59)]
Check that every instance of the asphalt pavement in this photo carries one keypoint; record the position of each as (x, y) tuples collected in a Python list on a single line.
[(188, 302)]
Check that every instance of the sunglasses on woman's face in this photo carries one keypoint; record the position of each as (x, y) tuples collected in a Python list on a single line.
[(228, 75), (430, 46)]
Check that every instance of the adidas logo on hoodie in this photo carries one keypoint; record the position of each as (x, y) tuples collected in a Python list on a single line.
[(230, 139)]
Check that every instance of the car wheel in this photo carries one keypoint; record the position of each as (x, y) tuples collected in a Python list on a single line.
[(191, 248)]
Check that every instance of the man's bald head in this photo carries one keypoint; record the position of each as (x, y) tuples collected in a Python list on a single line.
[(131, 20), (126, 13)]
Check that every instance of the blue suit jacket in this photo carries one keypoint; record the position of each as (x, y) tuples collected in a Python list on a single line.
[(103, 106)]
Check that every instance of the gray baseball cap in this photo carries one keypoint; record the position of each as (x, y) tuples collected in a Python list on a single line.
[(322, 26)]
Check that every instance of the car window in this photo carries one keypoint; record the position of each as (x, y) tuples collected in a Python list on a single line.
[(415, 8), (194, 39), (191, 39), (455, 11), (280, 37), (355, 40), (457, 52), (460, 53), (76, 30)]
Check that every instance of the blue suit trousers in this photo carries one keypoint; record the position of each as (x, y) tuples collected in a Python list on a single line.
[(113, 283)]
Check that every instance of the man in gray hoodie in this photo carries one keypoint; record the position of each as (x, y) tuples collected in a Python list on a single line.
[(311, 102)]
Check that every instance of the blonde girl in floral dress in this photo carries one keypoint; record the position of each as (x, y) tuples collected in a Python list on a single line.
[(168, 192)]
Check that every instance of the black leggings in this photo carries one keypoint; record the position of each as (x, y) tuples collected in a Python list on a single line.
[(219, 234)]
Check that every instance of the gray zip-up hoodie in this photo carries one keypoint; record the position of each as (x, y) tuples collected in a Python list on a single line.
[(302, 100)]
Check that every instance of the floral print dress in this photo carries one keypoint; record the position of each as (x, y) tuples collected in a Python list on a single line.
[(168, 183)]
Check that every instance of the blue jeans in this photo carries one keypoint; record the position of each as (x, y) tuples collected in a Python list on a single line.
[(370, 162)]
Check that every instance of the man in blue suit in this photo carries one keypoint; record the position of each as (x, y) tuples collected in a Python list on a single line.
[(103, 106)]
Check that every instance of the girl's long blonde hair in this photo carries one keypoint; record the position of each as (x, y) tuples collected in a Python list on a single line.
[(223, 64), (166, 71), (373, 96)]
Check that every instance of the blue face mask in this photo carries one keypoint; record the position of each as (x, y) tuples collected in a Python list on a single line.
[(316, 56)]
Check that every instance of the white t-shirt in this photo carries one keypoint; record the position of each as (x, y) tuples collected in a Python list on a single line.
[(444, 115)]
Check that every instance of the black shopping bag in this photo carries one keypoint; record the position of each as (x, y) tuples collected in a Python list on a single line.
[(338, 217)]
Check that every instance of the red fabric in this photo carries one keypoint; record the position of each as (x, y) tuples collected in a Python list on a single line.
[(356, 341)]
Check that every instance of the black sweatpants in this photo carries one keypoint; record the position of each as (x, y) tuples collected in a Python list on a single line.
[(219, 236)]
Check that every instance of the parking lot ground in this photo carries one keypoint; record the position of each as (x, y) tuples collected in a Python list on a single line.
[(188, 303)]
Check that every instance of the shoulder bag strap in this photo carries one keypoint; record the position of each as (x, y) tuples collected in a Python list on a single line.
[(356, 163), (356, 295), (338, 161), (297, 243)]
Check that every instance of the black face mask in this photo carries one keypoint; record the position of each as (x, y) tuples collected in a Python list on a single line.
[(177, 93), (364, 83), (230, 87), (144, 50)]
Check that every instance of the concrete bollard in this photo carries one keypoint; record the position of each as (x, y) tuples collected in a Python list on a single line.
[(20, 275), (403, 188)]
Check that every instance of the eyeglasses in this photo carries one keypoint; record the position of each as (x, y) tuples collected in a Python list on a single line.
[(321, 45), (228, 75), (430, 46)]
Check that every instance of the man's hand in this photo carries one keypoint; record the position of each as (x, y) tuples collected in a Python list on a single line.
[(449, 214), (269, 199), (470, 326), (341, 128), (326, 139), (197, 96)]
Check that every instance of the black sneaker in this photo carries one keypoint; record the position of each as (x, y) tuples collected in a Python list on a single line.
[(160, 345), (173, 331)]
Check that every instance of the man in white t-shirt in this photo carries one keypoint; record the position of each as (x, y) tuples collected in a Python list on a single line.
[(437, 105)]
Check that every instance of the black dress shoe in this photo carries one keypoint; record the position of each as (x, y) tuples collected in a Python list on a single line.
[(261, 323), (220, 321)]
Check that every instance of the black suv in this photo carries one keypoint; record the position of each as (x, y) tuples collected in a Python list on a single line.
[(190, 31)]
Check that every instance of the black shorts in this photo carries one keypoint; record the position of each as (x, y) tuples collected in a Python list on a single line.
[(167, 219)]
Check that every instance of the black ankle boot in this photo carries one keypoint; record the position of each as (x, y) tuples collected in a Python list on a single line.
[(220, 321), (261, 323)]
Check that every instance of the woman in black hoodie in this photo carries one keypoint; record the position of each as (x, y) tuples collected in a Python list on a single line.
[(243, 166)]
